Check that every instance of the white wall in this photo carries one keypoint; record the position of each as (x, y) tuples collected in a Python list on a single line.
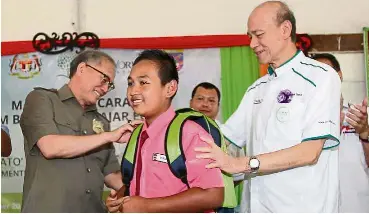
[(21, 20), (352, 66)]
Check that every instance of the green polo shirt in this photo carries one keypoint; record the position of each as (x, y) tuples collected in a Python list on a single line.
[(69, 184)]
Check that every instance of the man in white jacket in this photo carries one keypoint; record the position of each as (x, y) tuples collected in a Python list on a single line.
[(288, 120)]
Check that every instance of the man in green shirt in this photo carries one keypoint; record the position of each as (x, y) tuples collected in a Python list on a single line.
[(68, 145)]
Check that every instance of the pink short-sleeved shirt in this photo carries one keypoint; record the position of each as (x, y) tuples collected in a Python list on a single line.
[(156, 178)]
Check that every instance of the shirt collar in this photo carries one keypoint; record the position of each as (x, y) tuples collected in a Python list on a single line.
[(288, 65), (65, 93), (159, 123)]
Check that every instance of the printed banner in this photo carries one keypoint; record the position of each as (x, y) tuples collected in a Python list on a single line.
[(21, 73)]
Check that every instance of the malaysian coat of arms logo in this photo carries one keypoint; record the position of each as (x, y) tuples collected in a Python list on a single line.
[(25, 66)]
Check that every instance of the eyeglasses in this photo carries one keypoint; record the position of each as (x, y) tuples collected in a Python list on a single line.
[(105, 79)]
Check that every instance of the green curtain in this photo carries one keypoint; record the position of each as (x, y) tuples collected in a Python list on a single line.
[(240, 68)]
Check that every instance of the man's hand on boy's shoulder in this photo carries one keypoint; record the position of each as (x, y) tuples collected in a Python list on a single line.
[(135, 204)]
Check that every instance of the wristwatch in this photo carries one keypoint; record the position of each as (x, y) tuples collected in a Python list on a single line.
[(254, 164), (364, 140)]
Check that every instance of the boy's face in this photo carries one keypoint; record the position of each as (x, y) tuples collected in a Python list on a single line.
[(145, 93)]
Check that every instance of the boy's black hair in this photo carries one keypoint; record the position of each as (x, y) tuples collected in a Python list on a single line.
[(167, 65)]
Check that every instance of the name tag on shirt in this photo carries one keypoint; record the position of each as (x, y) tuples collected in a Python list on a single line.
[(159, 157)]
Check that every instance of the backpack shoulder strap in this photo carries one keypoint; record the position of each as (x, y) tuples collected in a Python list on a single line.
[(129, 158), (175, 153), (174, 149), (173, 139)]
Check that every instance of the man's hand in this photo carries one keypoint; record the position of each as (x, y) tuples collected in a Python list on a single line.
[(113, 203), (358, 118), (135, 204), (220, 159), (123, 133), (342, 118)]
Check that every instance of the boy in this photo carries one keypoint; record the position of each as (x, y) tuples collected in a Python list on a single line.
[(152, 84)]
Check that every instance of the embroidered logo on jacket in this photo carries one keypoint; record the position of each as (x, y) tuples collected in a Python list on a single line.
[(285, 96)]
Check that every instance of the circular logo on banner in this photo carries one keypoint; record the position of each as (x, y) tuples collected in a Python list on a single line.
[(64, 60), (283, 114)]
